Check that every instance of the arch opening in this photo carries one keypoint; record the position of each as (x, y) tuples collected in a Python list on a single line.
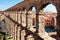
[(50, 14), (3, 26), (32, 18), (32, 8), (50, 8)]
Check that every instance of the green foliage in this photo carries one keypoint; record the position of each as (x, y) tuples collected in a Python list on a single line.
[(1, 35), (6, 37)]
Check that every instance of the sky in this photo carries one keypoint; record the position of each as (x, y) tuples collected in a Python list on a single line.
[(50, 8), (5, 4)]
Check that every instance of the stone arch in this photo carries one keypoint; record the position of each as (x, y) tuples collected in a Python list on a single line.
[(43, 5), (42, 17), (23, 8), (55, 8), (30, 8), (31, 15), (55, 11)]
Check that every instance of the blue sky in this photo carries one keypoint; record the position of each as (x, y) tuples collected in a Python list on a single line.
[(5, 4), (50, 8)]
